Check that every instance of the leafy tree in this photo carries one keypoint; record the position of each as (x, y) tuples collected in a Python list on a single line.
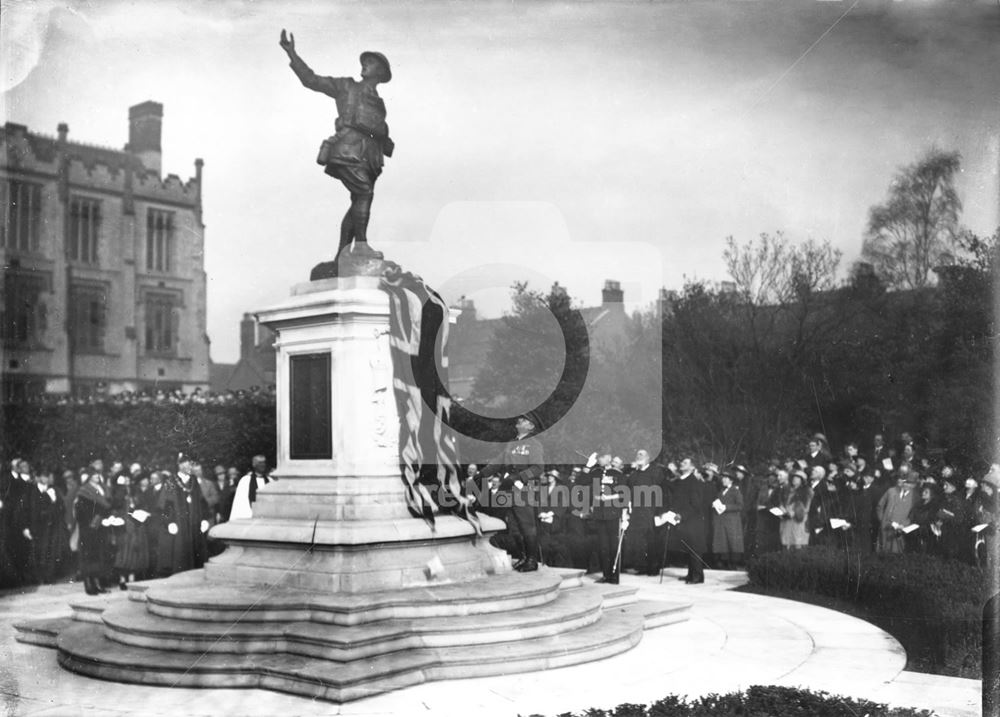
[(916, 228)]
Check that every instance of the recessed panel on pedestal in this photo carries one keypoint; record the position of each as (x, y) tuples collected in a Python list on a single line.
[(310, 420)]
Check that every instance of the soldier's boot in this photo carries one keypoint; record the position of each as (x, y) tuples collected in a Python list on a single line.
[(530, 562), (528, 566)]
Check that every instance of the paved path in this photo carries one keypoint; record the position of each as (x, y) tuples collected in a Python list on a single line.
[(733, 640)]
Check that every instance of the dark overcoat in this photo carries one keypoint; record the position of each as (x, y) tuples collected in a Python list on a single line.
[(688, 497)]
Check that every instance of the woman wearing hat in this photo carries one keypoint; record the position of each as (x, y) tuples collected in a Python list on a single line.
[(986, 514), (727, 524), (796, 501)]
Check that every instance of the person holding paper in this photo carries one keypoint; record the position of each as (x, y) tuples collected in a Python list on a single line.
[(926, 538), (132, 549), (553, 505), (825, 504), (985, 517), (727, 529), (92, 510), (686, 501), (644, 540), (893, 513), (860, 506), (767, 528), (951, 515), (880, 451)]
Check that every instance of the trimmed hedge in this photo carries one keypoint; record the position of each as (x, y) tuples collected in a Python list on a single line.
[(57, 437), (757, 701), (932, 606)]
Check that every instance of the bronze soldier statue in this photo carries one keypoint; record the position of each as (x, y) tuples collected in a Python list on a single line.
[(354, 155)]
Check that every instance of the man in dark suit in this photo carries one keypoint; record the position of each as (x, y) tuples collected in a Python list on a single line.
[(686, 504), (647, 486), (880, 452), (11, 526), (183, 518)]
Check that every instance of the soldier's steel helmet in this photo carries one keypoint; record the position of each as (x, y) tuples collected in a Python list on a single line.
[(382, 60)]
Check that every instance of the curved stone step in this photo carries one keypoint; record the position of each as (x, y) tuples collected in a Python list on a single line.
[(129, 623), (41, 632), (221, 602), (83, 648)]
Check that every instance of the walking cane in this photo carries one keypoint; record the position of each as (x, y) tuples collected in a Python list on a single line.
[(618, 554), (663, 560)]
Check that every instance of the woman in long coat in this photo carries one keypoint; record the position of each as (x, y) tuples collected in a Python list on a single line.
[(727, 538), (93, 507), (794, 533)]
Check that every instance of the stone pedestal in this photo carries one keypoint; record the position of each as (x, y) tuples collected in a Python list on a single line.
[(336, 518), (333, 590)]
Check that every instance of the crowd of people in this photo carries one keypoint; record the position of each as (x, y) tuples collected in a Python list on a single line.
[(115, 525), (889, 499), (160, 396)]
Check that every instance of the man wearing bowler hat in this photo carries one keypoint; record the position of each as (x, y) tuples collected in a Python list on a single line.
[(354, 155), (521, 464)]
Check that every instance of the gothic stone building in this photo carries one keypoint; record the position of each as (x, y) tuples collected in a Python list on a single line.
[(103, 278)]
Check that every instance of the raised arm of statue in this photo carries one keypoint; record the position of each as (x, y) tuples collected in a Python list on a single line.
[(287, 43), (309, 79)]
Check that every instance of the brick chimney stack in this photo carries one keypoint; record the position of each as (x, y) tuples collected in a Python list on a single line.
[(612, 293), (145, 127), (248, 336)]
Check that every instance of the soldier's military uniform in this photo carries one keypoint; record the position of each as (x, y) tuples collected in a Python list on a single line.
[(608, 483), (521, 464), (355, 154)]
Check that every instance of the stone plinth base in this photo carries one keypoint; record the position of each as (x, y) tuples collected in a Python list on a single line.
[(189, 631)]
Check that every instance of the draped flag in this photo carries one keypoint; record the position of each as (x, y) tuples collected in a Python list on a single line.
[(428, 453)]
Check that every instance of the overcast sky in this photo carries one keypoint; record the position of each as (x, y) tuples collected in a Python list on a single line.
[(549, 141)]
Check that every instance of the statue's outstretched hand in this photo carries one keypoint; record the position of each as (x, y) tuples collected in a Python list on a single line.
[(287, 42)]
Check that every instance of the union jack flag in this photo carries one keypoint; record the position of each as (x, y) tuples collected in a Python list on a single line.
[(428, 452)]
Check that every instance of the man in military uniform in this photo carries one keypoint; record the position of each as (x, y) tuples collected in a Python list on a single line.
[(521, 464), (354, 155), (609, 515)]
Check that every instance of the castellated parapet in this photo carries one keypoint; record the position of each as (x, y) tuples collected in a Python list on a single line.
[(93, 166)]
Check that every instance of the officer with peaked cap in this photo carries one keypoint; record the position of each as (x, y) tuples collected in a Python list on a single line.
[(520, 464)]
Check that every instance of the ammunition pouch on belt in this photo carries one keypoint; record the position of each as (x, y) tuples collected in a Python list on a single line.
[(325, 152)]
